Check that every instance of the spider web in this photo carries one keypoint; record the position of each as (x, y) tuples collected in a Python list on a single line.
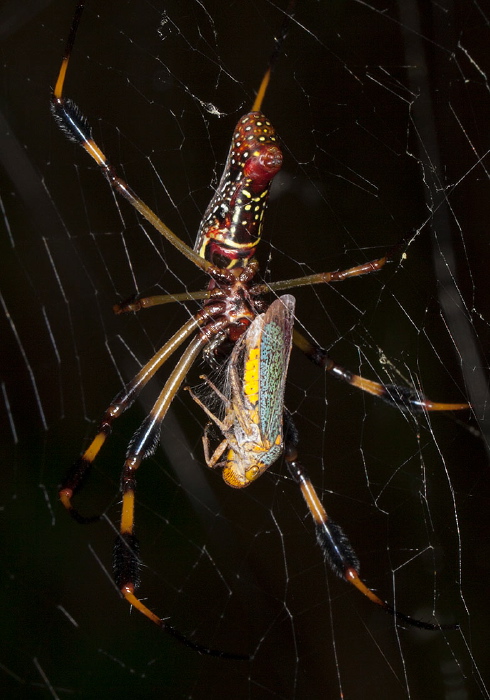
[(383, 112)]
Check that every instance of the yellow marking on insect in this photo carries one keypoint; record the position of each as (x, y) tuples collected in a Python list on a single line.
[(127, 517), (93, 449), (252, 473), (251, 376), (254, 415), (250, 391), (254, 354)]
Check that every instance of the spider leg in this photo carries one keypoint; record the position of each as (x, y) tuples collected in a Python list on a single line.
[(324, 277), (335, 545), (393, 394), (400, 396), (76, 128), (276, 52), (121, 402), (126, 545), (136, 303), (335, 276), (126, 574), (143, 444)]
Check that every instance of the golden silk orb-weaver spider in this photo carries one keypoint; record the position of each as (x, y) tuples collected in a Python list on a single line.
[(234, 323)]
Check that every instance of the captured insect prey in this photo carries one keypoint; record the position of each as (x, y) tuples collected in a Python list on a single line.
[(256, 380), (244, 331)]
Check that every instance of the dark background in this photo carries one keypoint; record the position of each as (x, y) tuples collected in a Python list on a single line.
[(383, 112)]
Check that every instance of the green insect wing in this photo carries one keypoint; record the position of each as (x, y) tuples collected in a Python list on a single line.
[(275, 350)]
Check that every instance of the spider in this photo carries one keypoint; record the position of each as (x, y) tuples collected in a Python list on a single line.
[(227, 322)]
